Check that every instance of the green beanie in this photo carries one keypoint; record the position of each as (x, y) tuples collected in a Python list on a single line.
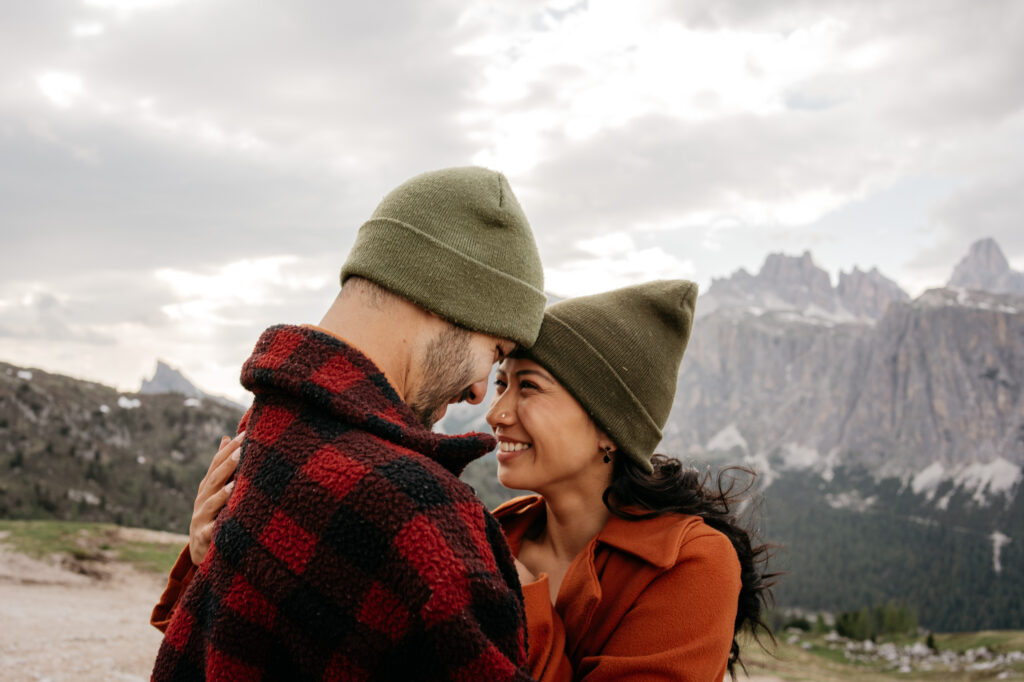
[(618, 353), (456, 242)]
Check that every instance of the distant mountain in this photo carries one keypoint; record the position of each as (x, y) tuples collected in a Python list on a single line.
[(985, 268), (889, 433), (936, 380), (796, 285), (166, 379), (868, 294)]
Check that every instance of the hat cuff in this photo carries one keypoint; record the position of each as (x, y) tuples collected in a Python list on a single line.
[(617, 411), (445, 281)]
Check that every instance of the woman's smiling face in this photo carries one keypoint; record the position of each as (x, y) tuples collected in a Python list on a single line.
[(545, 438)]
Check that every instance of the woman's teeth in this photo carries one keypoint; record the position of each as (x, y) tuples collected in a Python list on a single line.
[(512, 447)]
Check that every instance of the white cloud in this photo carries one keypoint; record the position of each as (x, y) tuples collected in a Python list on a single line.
[(225, 295), (647, 139), (613, 261), (60, 88), (609, 64), (88, 29), (127, 7)]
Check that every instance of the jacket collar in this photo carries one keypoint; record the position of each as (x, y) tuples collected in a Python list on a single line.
[(656, 541), (334, 376)]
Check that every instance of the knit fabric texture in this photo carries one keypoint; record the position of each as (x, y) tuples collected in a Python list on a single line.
[(618, 353), (349, 549), (456, 242)]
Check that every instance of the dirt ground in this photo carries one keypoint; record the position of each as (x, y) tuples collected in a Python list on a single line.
[(58, 623)]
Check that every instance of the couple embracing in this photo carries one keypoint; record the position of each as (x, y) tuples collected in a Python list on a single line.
[(346, 547)]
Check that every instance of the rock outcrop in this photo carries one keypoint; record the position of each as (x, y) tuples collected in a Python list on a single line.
[(985, 268), (796, 284)]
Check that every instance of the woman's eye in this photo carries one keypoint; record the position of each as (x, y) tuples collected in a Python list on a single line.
[(527, 384), (499, 383)]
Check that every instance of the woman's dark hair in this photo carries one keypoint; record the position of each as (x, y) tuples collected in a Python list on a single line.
[(673, 488)]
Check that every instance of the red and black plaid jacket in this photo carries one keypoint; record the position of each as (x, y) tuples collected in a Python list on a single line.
[(349, 549)]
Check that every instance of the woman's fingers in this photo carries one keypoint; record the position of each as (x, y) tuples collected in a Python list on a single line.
[(215, 503), (201, 528), (219, 476), (199, 543), (226, 448), (214, 478)]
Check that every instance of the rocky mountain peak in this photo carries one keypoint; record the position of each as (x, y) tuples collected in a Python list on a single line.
[(985, 268), (797, 284), (166, 379), (868, 294)]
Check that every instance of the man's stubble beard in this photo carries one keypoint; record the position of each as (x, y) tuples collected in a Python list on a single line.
[(447, 371)]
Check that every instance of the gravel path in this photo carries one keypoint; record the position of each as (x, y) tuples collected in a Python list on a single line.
[(57, 624)]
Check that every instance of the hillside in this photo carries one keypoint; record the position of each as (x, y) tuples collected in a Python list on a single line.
[(78, 450)]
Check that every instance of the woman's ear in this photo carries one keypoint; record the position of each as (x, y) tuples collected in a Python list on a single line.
[(605, 443)]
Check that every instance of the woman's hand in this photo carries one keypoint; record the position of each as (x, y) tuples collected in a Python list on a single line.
[(525, 575), (214, 492)]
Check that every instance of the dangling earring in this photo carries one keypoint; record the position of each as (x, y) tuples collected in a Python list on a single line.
[(607, 454)]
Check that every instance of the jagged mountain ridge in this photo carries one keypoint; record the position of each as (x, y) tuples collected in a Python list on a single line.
[(797, 285), (935, 382)]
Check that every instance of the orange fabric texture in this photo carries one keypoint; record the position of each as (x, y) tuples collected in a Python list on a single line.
[(646, 600), (177, 581)]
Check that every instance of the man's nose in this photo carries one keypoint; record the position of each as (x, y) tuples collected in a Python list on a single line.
[(474, 395)]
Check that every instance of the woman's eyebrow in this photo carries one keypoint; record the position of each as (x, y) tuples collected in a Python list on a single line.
[(542, 375)]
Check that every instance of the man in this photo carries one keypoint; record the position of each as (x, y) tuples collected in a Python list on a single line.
[(349, 549)]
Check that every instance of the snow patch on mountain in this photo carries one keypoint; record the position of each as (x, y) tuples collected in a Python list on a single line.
[(928, 480), (851, 500), (999, 540), (982, 480), (126, 403), (828, 463), (796, 456), (727, 439), (989, 479)]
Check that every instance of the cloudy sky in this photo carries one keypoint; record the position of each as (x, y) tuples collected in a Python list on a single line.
[(176, 175)]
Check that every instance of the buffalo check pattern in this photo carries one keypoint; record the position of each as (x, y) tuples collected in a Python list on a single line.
[(349, 549)]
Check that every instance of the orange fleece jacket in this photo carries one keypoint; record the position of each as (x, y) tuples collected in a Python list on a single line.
[(646, 600)]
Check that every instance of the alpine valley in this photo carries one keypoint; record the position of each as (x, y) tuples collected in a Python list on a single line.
[(887, 433)]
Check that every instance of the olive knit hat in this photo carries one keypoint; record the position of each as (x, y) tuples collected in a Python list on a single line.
[(618, 353), (456, 242)]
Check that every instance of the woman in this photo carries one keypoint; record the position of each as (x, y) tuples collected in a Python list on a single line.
[(631, 568)]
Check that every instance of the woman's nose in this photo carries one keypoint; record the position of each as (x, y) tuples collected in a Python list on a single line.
[(499, 414)]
